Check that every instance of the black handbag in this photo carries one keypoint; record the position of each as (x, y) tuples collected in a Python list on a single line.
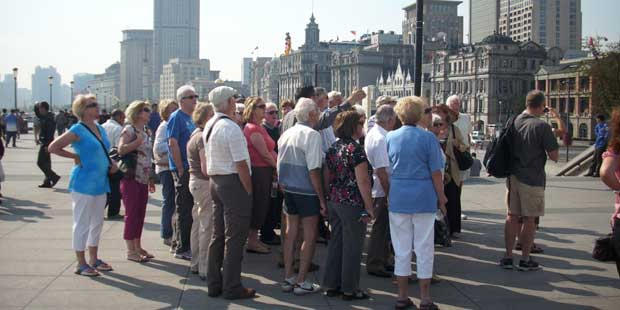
[(464, 159), (128, 162), (442, 232), (604, 249)]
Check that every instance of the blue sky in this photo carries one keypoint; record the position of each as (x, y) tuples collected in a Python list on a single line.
[(84, 35)]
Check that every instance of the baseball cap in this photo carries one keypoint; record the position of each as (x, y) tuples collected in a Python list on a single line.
[(385, 100), (221, 93)]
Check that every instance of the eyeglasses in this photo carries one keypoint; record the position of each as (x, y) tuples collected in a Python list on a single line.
[(437, 124), (428, 110), (239, 113), (92, 105), (147, 110), (272, 112), (261, 106), (190, 97)]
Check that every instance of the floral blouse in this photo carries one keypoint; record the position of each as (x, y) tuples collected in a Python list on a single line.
[(341, 159), (143, 163)]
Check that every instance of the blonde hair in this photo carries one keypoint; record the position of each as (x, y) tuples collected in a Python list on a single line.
[(79, 104), (134, 109), (202, 113), (410, 109), (163, 108), (250, 107)]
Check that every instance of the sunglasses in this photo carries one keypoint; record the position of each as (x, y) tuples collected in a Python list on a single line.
[(190, 97), (147, 110), (261, 106), (273, 112), (239, 113), (437, 124), (428, 110), (92, 105)]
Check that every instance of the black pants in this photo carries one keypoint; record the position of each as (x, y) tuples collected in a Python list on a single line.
[(44, 162), (273, 218), (184, 202), (597, 161), (11, 135), (453, 193), (114, 196), (616, 240)]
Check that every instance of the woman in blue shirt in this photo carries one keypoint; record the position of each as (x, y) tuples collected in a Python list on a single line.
[(416, 191), (89, 181)]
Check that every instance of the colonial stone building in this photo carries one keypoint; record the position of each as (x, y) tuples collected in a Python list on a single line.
[(180, 71), (568, 89), (491, 77)]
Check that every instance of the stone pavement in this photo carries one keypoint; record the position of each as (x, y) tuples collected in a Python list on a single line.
[(36, 261)]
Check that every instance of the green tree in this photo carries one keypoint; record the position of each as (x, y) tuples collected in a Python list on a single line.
[(605, 72)]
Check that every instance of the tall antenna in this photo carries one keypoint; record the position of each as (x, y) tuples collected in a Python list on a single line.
[(312, 7)]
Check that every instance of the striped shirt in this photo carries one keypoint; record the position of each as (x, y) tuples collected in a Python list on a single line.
[(299, 151), (225, 147)]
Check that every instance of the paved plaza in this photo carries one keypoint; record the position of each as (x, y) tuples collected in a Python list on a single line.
[(37, 263)]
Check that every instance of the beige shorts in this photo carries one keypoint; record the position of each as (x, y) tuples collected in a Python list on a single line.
[(523, 199)]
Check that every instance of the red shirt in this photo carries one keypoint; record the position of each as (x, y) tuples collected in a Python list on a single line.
[(255, 158)]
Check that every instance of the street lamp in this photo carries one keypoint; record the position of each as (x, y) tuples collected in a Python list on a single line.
[(71, 98), (500, 112), (50, 80), (568, 135), (15, 84)]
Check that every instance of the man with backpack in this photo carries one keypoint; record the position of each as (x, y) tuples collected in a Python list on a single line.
[(531, 140)]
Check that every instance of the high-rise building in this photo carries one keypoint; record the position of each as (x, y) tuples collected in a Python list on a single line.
[(483, 19), (175, 34), (136, 55), (441, 22), (106, 87), (81, 82), (246, 71), (551, 23), (41, 86), (178, 72)]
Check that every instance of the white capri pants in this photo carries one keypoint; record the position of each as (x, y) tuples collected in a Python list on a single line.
[(202, 227), (413, 231), (88, 213)]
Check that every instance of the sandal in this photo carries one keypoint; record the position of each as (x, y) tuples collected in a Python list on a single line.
[(146, 254), (135, 257), (358, 295), (430, 306), (404, 304), (86, 270), (100, 265)]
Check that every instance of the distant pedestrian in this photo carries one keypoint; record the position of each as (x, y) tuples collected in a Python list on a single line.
[(113, 128), (532, 140), (89, 181), (602, 135), (155, 119), (61, 122), (162, 168), (11, 127), (474, 171), (46, 136), (610, 175), (286, 106)]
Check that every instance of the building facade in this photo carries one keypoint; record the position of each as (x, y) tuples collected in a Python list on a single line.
[(180, 71), (441, 23), (568, 89), (491, 77), (41, 87), (136, 58), (483, 19), (551, 23), (107, 87), (176, 34), (257, 71), (246, 71), (204, 86)]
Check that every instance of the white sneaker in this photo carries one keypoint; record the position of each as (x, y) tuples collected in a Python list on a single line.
[(463, 217), (306, 288), (288, 285)]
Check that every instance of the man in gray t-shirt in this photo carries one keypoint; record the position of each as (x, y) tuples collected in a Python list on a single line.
[(531, 141)]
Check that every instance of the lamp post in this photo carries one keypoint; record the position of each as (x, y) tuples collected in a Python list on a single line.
[(15, 85), (568, 135), (71, 98), (500, 113), (50, 80)]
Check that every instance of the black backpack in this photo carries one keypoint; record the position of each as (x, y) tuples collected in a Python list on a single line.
[(498, 155)]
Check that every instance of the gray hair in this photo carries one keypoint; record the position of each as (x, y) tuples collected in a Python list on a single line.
[(333, 94), (359, 109), (452, 99), (240, 107), (271, 105), (320, 91), (303, 108), (184, 90), (436, 118), (384, 114)]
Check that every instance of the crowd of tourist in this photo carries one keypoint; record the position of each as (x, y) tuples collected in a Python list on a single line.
[(233, 170)]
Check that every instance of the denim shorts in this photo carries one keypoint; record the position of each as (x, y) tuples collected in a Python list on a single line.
[(301, 205)]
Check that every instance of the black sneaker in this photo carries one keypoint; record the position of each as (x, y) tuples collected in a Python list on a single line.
[(506, 263), (528, 266)]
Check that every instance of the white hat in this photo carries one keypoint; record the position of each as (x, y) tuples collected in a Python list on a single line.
[(221, 94), (385, 100)]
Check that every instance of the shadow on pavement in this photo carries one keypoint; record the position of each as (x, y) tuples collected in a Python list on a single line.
[(13, 209)]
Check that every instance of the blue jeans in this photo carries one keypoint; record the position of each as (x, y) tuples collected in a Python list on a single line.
[(168, 192)]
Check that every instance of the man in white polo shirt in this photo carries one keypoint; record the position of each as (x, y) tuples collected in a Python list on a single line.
[(228, 166), (463, 123)]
